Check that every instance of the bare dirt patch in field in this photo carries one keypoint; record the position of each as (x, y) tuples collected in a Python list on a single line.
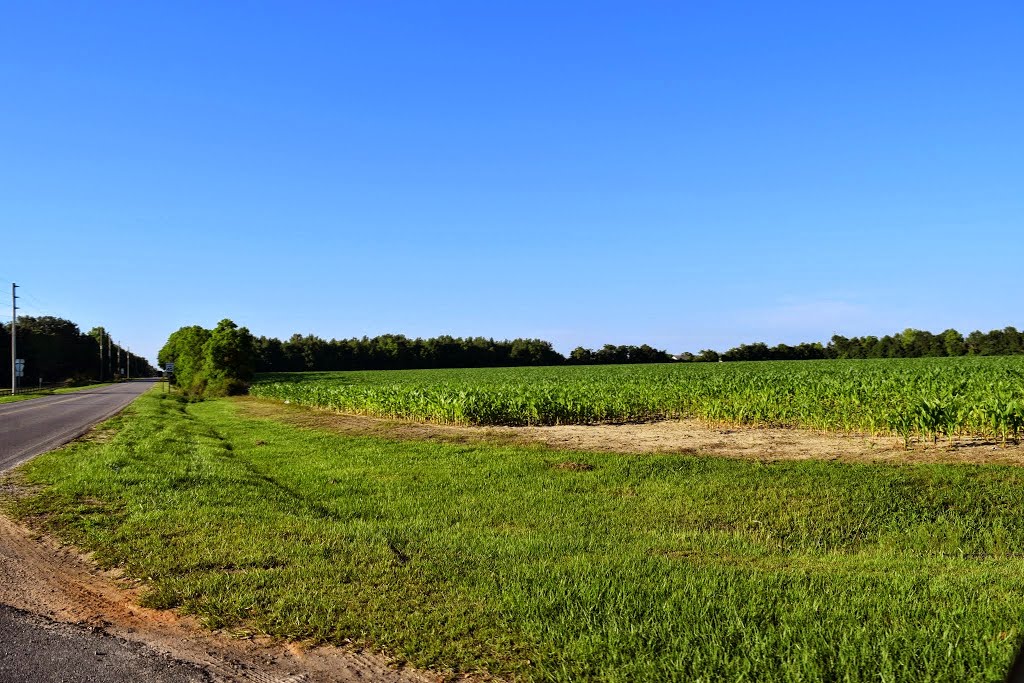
[(674, 436), (41, 576)]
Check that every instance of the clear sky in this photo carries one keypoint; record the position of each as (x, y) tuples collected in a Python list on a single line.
[(683, 174)]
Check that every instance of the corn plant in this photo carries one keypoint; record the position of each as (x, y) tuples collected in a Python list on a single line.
[(910, 398)]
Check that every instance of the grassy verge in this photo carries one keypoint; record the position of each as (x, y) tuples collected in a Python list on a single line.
[(49, 392), (511, 560)]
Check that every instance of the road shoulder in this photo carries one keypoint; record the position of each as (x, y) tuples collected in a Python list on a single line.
[(41, 577)]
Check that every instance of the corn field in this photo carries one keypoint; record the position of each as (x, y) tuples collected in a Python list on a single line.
[(928, 398)]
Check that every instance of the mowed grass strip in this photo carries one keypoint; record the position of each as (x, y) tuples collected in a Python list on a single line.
[(547, 565)]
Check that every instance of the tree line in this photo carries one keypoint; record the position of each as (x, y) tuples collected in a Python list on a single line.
[(223, 360), (398, 352), (909, 343), (57, 352)]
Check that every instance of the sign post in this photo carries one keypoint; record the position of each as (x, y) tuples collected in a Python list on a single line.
[(168, 370)]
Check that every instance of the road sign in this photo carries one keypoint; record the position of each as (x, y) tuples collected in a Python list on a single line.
[(19, 367), (168, 367)]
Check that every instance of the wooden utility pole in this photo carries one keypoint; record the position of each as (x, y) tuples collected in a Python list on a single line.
[(14, 338)]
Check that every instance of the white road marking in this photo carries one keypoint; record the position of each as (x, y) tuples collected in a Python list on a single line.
[(41, 405)]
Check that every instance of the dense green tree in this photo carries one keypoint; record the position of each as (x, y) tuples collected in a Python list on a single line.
[(841, 347), (184, 348), (269, 354), (581, 356), (396, 351), (709, 356), (910, 343), (977, 344), (648, 354), (1009, 342), (229, 359), (534, 352), (953, 343), (212, 362), (57, 352)]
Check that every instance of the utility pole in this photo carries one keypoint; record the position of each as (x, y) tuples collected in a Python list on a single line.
[(119, 368), (14, 338), (110, 356), (100, 378), (128, 362)]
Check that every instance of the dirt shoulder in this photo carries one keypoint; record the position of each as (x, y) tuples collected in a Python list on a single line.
[(676, 436), (42, 577)]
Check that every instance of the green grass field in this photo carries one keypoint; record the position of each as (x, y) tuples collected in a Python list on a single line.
[(495, 558), (917, 398)]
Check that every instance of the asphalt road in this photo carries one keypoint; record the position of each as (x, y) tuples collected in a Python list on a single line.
[(36, 649), (34, 426), (43, 651)]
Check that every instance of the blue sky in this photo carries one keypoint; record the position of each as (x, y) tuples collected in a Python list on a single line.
[(688, 175)]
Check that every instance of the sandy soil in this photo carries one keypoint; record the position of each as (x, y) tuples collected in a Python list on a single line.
[(42, 577), (677, 436)]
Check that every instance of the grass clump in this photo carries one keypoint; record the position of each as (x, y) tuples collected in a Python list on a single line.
[(504, 559)]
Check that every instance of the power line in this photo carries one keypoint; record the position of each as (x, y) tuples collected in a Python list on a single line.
[(36, 301), (122, 368)]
